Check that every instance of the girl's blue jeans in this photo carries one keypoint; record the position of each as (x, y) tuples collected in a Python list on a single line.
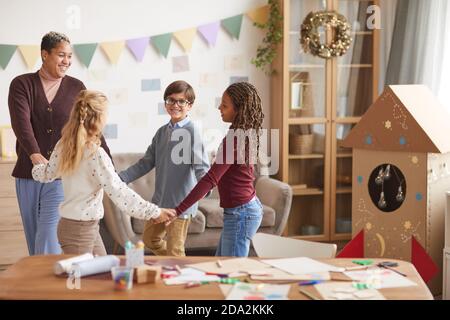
[(239, 226)]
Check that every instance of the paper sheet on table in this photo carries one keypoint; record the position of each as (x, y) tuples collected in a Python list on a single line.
[(382, 278), (274, 274), (190, 275), (258, 291), (235, 265), (345, 291), (302, 265), (226, 288)]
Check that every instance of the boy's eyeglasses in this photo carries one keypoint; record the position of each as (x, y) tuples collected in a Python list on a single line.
[(181, 103)]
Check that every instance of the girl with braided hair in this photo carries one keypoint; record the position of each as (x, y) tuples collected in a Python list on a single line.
[(86, 172), (233, 170)]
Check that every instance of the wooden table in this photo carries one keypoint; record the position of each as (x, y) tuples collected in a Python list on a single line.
[(33, 278)]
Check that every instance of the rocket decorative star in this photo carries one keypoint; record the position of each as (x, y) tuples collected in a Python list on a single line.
[(387, 124), (415, 159), (368, 226), (407, 225)]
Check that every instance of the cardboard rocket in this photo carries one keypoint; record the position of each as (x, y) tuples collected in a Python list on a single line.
[(401, 171)]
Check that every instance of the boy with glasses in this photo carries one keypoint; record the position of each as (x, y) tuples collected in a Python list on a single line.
[(180, 160)]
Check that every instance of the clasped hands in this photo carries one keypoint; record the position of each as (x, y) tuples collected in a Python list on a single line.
[(37, 158), (166, 216)]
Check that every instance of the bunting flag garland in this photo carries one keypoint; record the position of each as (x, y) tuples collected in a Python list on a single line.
[(185, 38), (85, 52), (233, 25), (6, 53), (209, 32), (162, 43), (113, 50), (138, 46), (30, 54), (260, 15)]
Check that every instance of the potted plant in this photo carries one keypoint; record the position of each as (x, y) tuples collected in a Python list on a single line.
[(266, 52)]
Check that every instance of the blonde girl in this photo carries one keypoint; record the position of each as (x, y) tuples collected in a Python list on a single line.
[(86, 172)]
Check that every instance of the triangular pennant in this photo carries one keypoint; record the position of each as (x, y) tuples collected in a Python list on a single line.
[(209, 32), (113, 50), (30, 54), (85, 52), (233, 25), (185, 38), (162, 43), (422, 261), (137, 47), (355, 248), (6, 53), (260, 15)]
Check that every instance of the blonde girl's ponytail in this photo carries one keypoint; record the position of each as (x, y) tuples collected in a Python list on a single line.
[(84, 125)]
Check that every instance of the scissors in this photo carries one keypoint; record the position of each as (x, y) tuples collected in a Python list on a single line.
[(389, 265)]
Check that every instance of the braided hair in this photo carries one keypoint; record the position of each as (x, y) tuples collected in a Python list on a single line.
[(249, 117), (83, 128)]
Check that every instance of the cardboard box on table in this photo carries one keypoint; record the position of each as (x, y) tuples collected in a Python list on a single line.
[(405, 127)]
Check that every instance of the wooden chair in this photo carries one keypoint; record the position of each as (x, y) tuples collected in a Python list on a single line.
[(272, 246)]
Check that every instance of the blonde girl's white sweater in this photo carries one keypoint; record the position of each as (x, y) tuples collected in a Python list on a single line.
[(83, 189)]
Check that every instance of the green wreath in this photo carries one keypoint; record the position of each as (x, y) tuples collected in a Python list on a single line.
[(310, 39)]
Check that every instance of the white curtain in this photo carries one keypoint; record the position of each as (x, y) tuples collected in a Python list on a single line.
[(420, 49), (388, 10), (444, 84)]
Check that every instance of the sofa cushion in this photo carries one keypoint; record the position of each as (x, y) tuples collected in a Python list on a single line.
[(197, 224), (214, 214)]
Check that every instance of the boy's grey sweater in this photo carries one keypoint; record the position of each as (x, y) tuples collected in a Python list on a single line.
[(176, 175)]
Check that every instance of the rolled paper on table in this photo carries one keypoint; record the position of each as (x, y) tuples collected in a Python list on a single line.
[(64, 266), (96, 265)]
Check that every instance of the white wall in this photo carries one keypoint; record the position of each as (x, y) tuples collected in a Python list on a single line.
[(136, 112)]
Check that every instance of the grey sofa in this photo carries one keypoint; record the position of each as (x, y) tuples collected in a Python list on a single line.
[(205, 228)]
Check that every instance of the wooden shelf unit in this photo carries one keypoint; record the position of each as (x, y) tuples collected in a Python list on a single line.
[(343, 88)]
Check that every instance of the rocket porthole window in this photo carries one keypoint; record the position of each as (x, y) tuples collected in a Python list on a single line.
[(387, 187)]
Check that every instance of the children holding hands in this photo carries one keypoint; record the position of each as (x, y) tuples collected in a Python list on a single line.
[(180, 160), (181, 174)]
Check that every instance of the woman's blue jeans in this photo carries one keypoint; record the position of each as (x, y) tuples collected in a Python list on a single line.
[(239, 226), (39, 208)]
